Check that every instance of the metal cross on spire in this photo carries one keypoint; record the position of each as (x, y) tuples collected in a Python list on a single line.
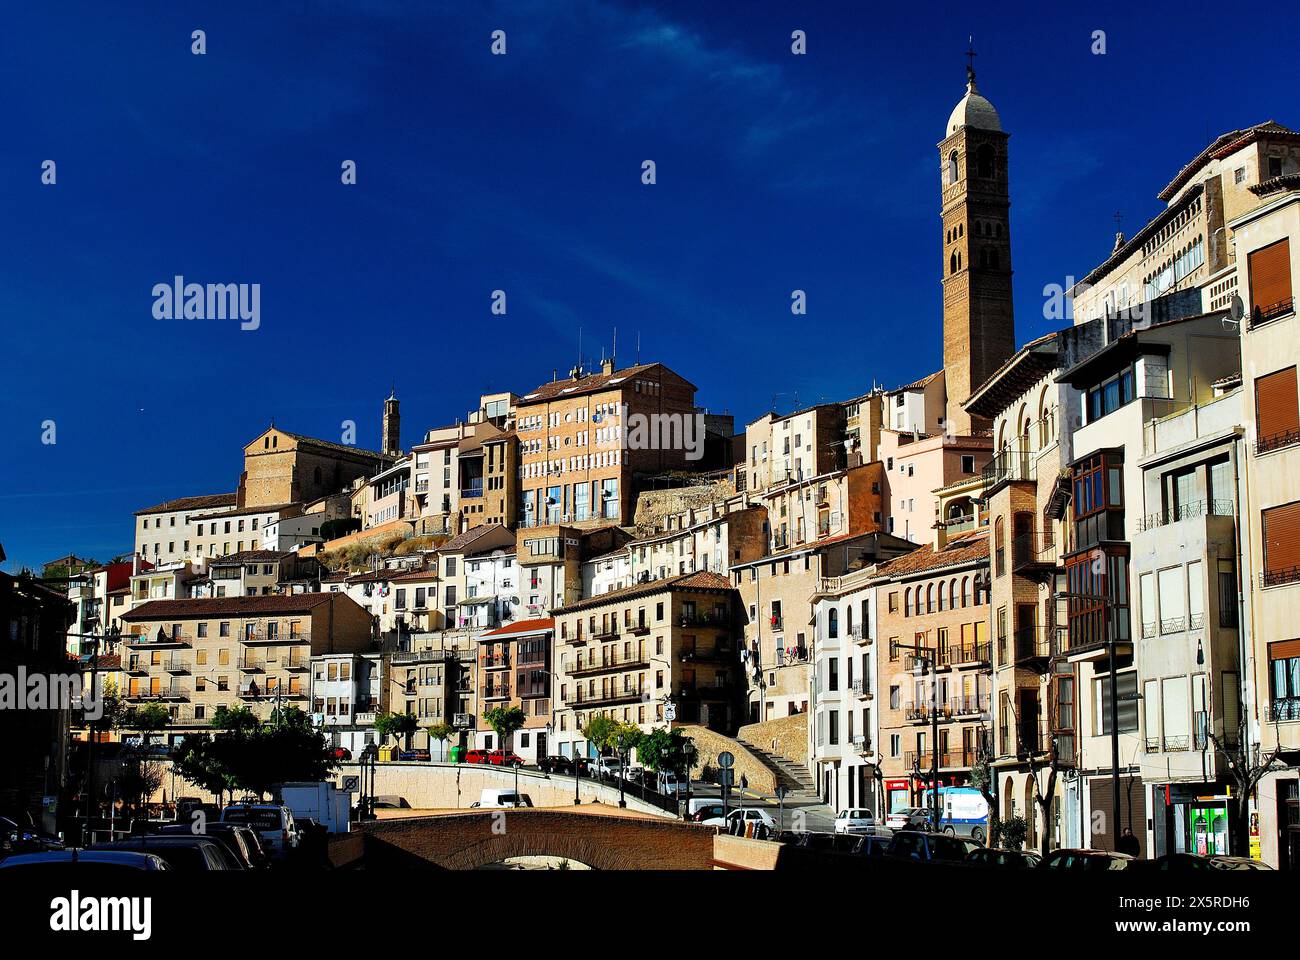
[(970, 58)]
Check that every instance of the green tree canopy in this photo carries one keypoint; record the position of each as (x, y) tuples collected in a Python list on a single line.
[(396, 725), (504, 720), (666, 750)]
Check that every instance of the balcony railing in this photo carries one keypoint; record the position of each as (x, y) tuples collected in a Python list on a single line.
[(705, 619), (709, 654), (862, 689), (176, 665), (969, 705), (862, 744), (583, 698), (961, 654), (496, 692), (1267, 313), (859, 634), (1284, 710), (951, 759), (579, 667), (1032, 646), (1278, 576), (495, 661), (924, 712), (1186, 511), (471, 492), (252, 665), (1277, 441), (1032, 551), (1013, 462)]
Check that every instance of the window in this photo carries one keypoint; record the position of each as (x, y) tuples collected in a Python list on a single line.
[(1284, 679), (832, 628), (1277, 412), (967, 463), (984, 161), (1270, 282), (1128, 702), (954, 173), (1281, 544)]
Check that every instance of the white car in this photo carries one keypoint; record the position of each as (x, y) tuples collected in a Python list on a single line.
[(746, 815), (855, 820), (606, 767)]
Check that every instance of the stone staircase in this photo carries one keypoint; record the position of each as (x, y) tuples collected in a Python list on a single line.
[(794, 777)]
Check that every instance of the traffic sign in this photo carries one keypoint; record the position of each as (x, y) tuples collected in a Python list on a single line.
[(726, 778), (780, 793), (725, 759), (350, 784)]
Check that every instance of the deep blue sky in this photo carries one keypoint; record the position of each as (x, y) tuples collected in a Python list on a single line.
[(522, 172)]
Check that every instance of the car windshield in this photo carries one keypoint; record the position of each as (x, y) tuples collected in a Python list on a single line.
[(261, 818)]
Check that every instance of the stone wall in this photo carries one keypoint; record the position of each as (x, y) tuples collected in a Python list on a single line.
[(653, 505), (709, 743), (785, 736)]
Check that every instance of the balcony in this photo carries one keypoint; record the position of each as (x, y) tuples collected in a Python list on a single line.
[(705, 619), (136, 666), (577, 667), (1277, 441), (966, 655), (1267, 313), (924, 712), (1185, 511), (969, 705), (862, 745), (604, 698), (604, 634), (252, 665), (495, 661), (499, 691), (1278, 576), (1014, 463), (157, 641), (958, 759), (295, 662), (858, 634), (406, 657), (255, 637), (702, 691), (1033, 646), (777, 622), (861, 689), (166, 691), (176, 665), (1284, 710), (714, 654), (471, 493), (1033, 553)]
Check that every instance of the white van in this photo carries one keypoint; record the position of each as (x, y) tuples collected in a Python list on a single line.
[(496, 799), (670, 783), (273, 823)]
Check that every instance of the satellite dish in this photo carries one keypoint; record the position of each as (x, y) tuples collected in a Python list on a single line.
[(1236, 310)]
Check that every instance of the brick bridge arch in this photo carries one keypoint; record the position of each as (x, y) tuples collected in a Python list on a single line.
[(465, 841)]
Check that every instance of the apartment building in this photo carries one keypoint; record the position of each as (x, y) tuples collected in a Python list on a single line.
[(1268, 248), (935, 665), (435, 479), (254, 573), (500, 474), (577, 464), (347, 693), (864, 416), (197, 655), (163, 533), (653, 654), (100, 595), (842, 503), (515, 670), (776, 596), (915, 465), (844, 734), (1026, 495), (386, 499), (784, 449), (433, 681), (219, 533), (550, 565)]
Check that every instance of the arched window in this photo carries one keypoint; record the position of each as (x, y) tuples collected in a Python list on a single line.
[(993, 259), (952, 262), (942, 605), (952, 167), (907, 602), (965, 591), (984, 161), (832, 623), (929, 598), (952, 593), (848, 620)]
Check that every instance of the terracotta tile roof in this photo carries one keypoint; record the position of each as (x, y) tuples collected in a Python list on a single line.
[(588, 384), (331, 445), (415, 575), (245, 556), (523, 626), (211, 501), (917, 384), (963, 550), (701, 580), (107, 661), (1222, 146), (462, 540), (228, 606)]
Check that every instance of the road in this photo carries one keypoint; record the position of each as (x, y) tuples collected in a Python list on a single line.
[(808, 815)]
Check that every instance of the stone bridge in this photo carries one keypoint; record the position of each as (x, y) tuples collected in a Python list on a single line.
[(603, 841)]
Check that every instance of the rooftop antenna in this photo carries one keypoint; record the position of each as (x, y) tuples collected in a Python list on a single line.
[(614, 355), (638, 348)]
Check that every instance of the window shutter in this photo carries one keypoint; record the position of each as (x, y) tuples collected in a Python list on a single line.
[(1284, 650), (1277, 409), (1282, 538), (1270, 275)]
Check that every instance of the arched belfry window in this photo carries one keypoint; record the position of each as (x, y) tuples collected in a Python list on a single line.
[(952, 167), (952, 263), (984, 161)]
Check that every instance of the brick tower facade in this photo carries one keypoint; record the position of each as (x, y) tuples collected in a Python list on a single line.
[(978, 326)]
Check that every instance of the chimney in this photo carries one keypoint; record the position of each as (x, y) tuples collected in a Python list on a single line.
[(607, 366)]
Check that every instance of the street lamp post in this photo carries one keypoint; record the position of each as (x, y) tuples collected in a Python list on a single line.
[(622, 780)]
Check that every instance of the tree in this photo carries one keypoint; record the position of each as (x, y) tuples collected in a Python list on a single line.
[(1246, 772), (441, 732), (663, 750), (149, 719), (396, 725), (505, 721), (203, 761), (235, 719), (603, 731)]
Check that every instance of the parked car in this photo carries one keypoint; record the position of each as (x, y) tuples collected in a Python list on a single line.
[(872, 845), (85, 862), (495, 798), (239, 841), (930, 847), (19, 835), (1007, 859), (634, 773), (555, 764), (476, 756), (1067, 859), (698, 803), (670, 784), (1191, 862), (273, 822), (705, 810), (190, 854), (504, 758), (606, 767), (908, 818), (855, 820), (832, 842), (744, 815)]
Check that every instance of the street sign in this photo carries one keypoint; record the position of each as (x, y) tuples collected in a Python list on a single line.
[(725, 759), (726, 778), (350, 784), (670, 711), (780, 793)]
